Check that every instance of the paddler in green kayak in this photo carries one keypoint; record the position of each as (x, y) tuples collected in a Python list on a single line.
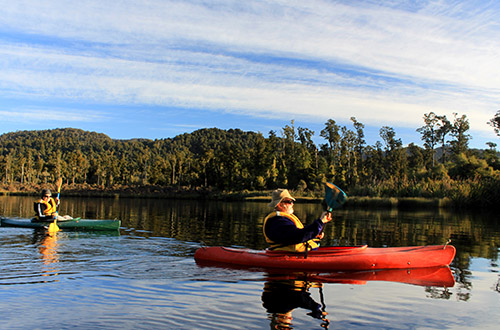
[(285, 232), (46, 208)]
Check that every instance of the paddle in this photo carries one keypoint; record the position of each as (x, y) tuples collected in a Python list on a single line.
[(53, 228), (334, 197)]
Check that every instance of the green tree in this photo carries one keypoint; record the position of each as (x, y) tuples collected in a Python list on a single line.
[(388, 135), (395, 159), (430, 134), (495, 123), (9, 168), (307, 156), (273, 150), (459, 131), (331, 134), (416, 162), (374, 164), (359, 145), (444, 128), (289, 159), (347, 161), (491, 155)]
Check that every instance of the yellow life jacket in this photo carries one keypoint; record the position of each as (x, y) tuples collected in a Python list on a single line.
[(301, 247), (51, 207)]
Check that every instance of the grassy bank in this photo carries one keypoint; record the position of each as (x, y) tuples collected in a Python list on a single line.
[(375, 202)]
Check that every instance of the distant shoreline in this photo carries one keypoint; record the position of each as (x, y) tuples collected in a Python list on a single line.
[(156, 192)]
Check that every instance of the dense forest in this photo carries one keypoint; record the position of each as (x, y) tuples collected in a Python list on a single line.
[(233, 160)]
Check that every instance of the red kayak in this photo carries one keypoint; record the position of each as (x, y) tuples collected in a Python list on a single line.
[(333, 258)]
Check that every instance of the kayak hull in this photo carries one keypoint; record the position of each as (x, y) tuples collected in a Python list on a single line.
[(333, 258), (73, 224)]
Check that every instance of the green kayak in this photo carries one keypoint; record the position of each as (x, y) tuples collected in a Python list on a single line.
[(73, 224)]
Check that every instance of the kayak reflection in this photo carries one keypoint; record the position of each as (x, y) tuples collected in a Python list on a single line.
[(426, 276), (281, 297)]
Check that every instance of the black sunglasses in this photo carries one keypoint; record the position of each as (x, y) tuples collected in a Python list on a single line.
[(287, 202)]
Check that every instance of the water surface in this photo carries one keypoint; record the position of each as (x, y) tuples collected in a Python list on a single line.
[(144, 276)]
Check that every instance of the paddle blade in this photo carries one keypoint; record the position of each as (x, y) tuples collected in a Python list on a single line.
[(53, 227), (334, 197)]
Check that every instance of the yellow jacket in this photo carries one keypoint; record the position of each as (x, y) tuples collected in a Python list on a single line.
[(300, 247), (46, 209)]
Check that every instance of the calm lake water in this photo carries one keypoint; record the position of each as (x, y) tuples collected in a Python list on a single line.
[(145, 277)]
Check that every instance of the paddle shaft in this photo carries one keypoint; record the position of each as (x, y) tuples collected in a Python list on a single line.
[(59, 184), (53, 228)]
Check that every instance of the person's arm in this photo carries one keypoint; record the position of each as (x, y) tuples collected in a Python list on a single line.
[(41, 210), (325, 218)]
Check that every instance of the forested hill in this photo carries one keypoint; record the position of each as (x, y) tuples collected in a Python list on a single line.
[(48, 141), (234, 160), (80, 156)]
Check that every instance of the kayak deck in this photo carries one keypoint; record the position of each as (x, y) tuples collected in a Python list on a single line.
[(72, 224), (333, 258)]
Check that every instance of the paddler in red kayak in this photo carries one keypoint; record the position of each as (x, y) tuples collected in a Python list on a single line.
[(285, 232)]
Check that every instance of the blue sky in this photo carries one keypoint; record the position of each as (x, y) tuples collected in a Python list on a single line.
[(159, 68)]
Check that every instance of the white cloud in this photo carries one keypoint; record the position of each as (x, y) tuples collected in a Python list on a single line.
[(51, 114), (380, 62)]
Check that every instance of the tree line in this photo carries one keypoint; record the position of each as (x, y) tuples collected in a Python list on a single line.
[(234, 160)]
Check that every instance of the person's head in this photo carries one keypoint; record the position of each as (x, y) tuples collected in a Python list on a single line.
[(46, 193), (282, 201)]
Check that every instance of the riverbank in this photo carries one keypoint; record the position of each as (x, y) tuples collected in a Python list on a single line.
[(377, 202), (86, 190)]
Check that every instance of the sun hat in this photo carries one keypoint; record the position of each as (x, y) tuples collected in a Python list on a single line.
[(278, 195)]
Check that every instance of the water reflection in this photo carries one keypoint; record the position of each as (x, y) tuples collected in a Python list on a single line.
[(474, 234), (148, 272), (48, 249), (281, 297), (284, 293), (287, 294), (240, 223)]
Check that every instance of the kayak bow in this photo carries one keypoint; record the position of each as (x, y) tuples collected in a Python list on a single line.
[(333, 258)]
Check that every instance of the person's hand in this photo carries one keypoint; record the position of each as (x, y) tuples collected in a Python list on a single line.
[(326, 217)]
